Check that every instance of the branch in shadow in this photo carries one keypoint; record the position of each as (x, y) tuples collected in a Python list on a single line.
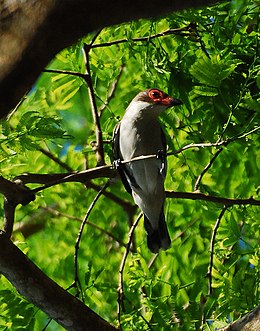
[(43, 292)]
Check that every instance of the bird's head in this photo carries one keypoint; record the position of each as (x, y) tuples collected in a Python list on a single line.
[(152, 102), (158, 97)]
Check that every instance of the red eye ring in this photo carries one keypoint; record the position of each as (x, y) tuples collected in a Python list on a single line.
[(155, 94)]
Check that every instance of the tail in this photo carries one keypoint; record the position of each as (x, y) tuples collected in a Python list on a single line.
[(157, 238)]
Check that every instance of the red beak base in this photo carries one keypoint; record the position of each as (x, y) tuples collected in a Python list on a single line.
[(169, 101)]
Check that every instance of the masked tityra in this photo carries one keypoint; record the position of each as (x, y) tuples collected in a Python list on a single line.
[(138, 134)]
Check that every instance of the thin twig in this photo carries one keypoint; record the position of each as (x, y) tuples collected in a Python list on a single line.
[(16, 107), (77, 243), (111, 91), (192, 145), (137, 310), (196, 186), (120, 290), (178, 31), (99, 136), (243, 90), (88, 79), (127, 206), (216, 144), (212, 243), (66, 72), (107, 233), (211, 198), (55, 159)]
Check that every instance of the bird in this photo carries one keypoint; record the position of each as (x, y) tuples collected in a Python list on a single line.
[(139, 134)]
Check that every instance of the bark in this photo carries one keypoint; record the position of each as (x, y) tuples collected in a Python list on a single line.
[(249, 322), (32, 32), (39, 289)]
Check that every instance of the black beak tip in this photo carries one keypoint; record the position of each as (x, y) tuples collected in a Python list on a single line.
[(176, 102)]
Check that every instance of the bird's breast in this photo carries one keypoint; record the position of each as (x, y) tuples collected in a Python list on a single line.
[(139, 138)]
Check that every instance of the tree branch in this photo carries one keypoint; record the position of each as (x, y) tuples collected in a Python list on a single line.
[(14, 193), (129, 208), (93, 225), (9, 215), (249, 322), (53, 179), (112, 90), (99, 137), (109, 172), (120, 290), (39, 289), (29, 25), (212, 243), (199, 179), (82, 226), (178, 31), (211, 198)]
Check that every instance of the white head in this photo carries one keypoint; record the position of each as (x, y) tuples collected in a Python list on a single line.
[(151, 103)]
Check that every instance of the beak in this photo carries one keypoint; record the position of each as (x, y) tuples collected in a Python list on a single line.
[(169, 101), (175, 102)]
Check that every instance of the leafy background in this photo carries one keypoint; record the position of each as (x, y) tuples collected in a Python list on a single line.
[(212, 65)]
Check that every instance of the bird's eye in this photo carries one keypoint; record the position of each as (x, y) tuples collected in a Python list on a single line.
[(155, 94)]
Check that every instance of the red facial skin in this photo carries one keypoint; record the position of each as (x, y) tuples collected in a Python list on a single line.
[(162, 98)]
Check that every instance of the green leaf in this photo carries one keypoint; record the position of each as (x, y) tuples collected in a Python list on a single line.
[(206, 91), (212, 71)]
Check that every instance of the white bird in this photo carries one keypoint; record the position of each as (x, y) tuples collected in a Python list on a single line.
[(139, 134)]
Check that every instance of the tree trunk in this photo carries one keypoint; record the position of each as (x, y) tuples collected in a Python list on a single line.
[(32, 32)]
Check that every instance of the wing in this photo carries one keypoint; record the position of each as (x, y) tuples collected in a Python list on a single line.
[(163, 155), (115, 142), (117, 159)]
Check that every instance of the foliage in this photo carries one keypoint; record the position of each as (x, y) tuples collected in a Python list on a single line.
[(212, 65)]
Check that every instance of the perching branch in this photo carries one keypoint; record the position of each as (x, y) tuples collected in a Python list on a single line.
[(55, 179), (16, 192), (109, 172), (192, 145), (129, 208)]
